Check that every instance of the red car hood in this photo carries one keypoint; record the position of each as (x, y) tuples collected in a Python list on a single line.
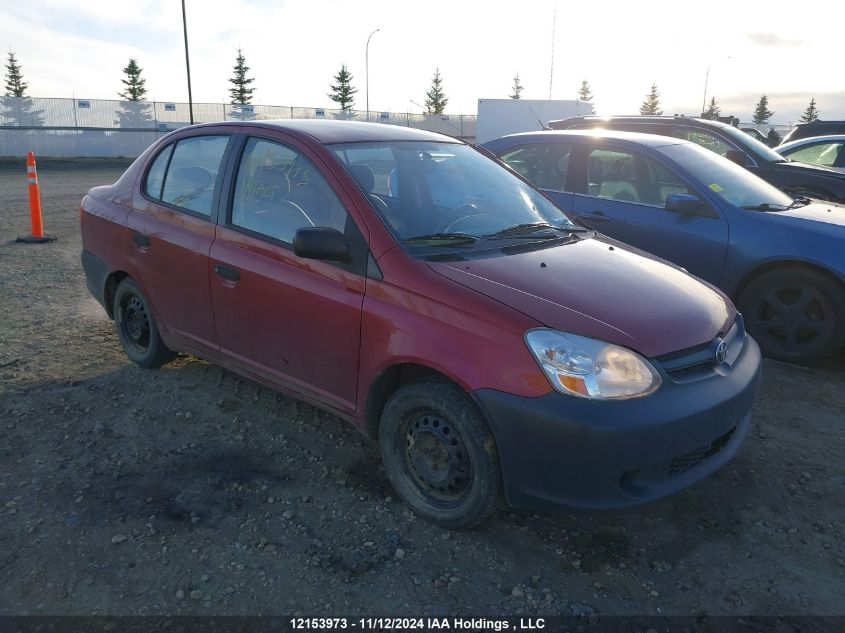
[(597, 288)]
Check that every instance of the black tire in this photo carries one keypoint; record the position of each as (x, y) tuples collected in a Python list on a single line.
[(137, 329), (440, 455), (795, 315)]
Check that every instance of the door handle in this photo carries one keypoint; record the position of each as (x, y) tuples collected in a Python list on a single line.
[(230, 274), (141, 240)]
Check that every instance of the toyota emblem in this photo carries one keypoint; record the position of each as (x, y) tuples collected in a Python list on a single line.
[(721, 352)]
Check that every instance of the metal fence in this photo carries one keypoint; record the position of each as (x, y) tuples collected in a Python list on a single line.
[(102, 127)]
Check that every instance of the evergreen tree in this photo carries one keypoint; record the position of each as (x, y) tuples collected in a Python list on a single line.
[(15, 86), (17, 108), (651, 104), (516, 90), (713, 110), (762, 114), (584, 93), (435, 98), (811, 113), (342, 91), (241, 92), (135, 89)]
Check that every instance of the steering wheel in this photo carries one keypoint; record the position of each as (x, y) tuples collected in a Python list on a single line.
[(464, 213)]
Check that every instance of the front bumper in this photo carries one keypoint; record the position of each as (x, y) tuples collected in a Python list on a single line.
[(563, 451)]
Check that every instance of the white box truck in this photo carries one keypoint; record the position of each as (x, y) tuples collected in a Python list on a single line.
[(497, 117)]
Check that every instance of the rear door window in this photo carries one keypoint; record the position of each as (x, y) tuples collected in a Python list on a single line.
[(704, 138), (192, 173)]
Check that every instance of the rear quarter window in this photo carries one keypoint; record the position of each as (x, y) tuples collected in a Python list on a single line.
[(155, 175)]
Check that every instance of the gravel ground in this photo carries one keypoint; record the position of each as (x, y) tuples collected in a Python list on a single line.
[(190, 490)]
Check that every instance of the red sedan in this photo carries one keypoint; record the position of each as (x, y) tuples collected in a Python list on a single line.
[(408, 283)]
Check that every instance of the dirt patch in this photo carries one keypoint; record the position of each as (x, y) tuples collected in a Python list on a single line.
[(192, 490)]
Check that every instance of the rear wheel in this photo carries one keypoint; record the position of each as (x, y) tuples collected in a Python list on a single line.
[(440, 455), (137, 329), (795, 315)]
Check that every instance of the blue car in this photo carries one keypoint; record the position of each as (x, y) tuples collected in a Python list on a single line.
[(782, 260)]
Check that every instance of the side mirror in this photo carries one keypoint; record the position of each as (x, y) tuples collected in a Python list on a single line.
[(318, 242), (739, 157), (684, 203)]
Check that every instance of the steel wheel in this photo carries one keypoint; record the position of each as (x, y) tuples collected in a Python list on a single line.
[(440, 455), (136, 327), (437, 458), (134, 322)]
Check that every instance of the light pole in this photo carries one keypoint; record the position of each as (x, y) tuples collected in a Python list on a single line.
[(706, 78), (367, 70), (187, 64)]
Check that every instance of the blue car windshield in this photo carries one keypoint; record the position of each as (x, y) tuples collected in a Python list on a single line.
[(733, 183), (423, 188)]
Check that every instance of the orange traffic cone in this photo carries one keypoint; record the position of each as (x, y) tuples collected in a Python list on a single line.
[(37, 235)]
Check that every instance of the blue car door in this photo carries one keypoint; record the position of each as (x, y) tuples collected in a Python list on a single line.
[(623, 193)]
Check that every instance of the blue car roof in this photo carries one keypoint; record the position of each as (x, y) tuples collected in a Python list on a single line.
[(639, 138)]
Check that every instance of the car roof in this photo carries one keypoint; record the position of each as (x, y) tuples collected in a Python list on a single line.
[(639, 138), (328, 132), (807, 140), (641, 118)]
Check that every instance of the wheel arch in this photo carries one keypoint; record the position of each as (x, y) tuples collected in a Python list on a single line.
[(112, 282), (387, 383), (783, 264)]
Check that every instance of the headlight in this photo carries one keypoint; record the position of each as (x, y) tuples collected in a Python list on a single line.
[(589, 368)]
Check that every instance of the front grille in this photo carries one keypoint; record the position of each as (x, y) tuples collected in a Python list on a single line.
[(689, 351), (685, 462), (700, 360)]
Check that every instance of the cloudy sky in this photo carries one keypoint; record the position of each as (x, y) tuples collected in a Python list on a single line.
[(295, 47)]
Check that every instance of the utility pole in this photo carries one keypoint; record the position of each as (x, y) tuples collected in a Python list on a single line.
[(367, 71), (552, 64), (187, 63)]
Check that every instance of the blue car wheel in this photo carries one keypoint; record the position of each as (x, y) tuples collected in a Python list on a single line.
[(796, 315)]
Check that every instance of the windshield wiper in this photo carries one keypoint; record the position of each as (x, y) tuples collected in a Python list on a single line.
[(767, 206), (452, 239), (530, 227), (799, 202), (763, 206)]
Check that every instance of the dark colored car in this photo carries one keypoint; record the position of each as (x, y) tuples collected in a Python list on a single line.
[(781, 260), (796, 179), (408, 283), (815, 128), (755, 133)]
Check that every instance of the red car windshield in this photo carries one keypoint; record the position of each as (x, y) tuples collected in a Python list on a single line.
[(428, 188)]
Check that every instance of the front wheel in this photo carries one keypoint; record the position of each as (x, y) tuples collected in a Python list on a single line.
[(440, 455), (795, 315), (137, 329)]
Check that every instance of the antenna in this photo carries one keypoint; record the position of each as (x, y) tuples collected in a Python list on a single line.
[(552, 64)]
